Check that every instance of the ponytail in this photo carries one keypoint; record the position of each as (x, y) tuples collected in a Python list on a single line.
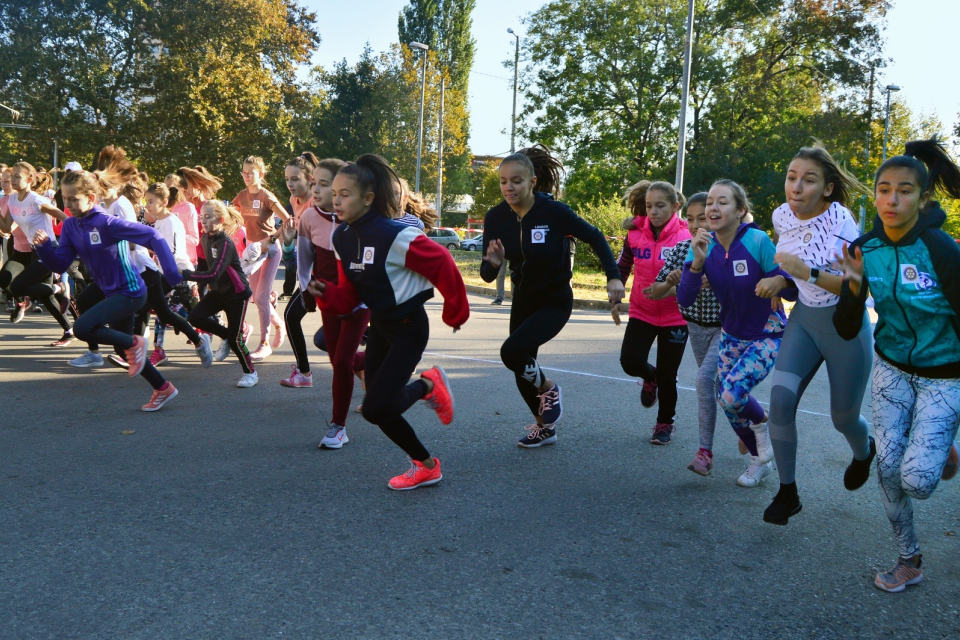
[(548, 169), (374, 174), (200, 180), (306, 162), (636, 198), (936, 171), (231, 217)]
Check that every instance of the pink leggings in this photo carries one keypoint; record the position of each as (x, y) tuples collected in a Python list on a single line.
[(261, 283), (343, 337)]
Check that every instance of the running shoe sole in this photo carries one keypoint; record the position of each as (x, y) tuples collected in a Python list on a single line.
[(300, 385), (551, 440), (898, 589), (86, 365), (173, 395), (339, 445), (693, 468), (116, 361), (417, 486)]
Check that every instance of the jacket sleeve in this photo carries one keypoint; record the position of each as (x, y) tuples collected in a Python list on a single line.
[(673, 261), (340, 298), (436, 264), (689, 287), (848, 316), (583, 230), (487, 272), (148, 237), (305, 259), (57, 257), (625, 263), (216, 268), (945, 255), (192, 227), (770, 269)]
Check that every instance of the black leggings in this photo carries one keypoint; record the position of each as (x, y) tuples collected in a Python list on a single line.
[(16, 262), (293, 315), (110, 321), (671, 342), (202, 316), (36, 281), (533, 323), (157, 289), (393, 351)]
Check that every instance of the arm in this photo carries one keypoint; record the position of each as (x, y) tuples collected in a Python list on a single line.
[(945, 255), (488, 272), (625, 262), (277, 209), (848, 316), (216, 269), (53, 212), (583, 230), (689, 287), (305, 260), (436, 264), (192, 227), (56, 257), (150, 238), (6, 222), (341, 298)]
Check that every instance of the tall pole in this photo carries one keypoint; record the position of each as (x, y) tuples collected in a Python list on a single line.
[(685, 97), (440, 155), (516, 74), (423, 92), (886, 124), (56, 161), (861, 223)]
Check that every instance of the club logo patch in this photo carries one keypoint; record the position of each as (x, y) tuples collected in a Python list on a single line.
[(909, 274), (368, 255), (213, 250), (807, 238), (95, 237), (538, 236), (740, 268), (256, 204), (664, 251)]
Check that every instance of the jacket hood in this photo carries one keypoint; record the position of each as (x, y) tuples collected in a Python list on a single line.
[(932, 217), (673, 224)]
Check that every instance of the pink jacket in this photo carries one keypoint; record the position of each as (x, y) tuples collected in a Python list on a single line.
[(187, 213), (646, 257)]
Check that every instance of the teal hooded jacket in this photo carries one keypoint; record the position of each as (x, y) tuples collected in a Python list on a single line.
[(915, 284)]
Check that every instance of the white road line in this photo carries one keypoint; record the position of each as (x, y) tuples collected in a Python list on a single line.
[(593, 375)]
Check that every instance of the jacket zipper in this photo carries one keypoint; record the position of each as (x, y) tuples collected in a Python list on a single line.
[(896, 282)]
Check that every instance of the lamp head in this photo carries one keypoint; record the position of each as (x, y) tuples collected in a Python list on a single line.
[(892, 88), (509, 30), (419, 45)]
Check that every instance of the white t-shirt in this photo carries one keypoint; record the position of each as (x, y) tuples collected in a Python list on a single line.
[(28, 216), (121, 208), (818, 242), (175, 234)]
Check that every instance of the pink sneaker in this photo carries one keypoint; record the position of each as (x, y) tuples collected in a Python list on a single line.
[(417, 475), (136, 355), (158, 357), (703, 463), (298, 380), (279, 333)]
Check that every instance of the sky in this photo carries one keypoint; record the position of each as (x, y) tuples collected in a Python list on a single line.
[(919, 65)]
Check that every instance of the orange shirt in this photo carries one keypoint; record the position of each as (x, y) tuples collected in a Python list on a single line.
[(257, 213), (299, 206)]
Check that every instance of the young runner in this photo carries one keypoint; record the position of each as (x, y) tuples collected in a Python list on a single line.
[(392, 269), (813, 226), (657, 230), (737, 259), (100, 240), (228, 289), (199, 185), (299, 177), (19, 253), (258, 207), (529, 228), (414, 210), (186, 212), (912, 269)]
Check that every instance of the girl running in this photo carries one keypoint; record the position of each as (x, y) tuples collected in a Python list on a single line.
[(529, 228), (910, 267), (737, 259), (813, 226), (299, 178), (228, 289), (199, 185), (657, 230), (258, 207), (703, 325), (174, 234), (414, 211), (392, 269), (101, 241), (186, 212)]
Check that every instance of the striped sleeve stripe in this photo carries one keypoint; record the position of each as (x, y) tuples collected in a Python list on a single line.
[(405, 283)]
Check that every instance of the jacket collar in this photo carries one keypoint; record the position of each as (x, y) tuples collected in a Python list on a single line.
[(642, 223), (932, 217), (93, 213)]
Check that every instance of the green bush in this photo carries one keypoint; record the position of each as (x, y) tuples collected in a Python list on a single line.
[(607, 216)]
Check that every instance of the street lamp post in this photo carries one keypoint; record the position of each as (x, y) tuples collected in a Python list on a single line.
[(516, 67), (891, 88), (423, 92), (685, 98), (453, 66)]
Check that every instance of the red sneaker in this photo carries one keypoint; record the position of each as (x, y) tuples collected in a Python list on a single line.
[(136, 355), (417, 475), (441, 398), (160, 397), (158, 357)]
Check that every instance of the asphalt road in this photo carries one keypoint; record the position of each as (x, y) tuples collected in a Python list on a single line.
[(219, 517)]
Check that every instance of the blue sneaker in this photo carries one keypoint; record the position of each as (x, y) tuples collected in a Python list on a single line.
[(550, 409), (87, 360), (538, 435)]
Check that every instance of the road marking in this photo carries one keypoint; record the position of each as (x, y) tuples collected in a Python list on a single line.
[(595, 375)]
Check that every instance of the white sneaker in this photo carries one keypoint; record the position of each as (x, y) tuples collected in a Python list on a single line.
[(764, 445), (248, 380), (204, 352), (755, 473), (262, 352), (222, 351), (335, 438), (88, 359)]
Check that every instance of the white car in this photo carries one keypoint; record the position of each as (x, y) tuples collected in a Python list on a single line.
[(472, 244), (446, 237)]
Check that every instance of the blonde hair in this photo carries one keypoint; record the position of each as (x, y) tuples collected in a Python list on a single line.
[(417, 206), (230, 216), (85, 182), (257, 163), (200, 180)]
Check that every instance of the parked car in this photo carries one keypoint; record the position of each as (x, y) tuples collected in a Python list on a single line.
[(446, 237), (474, 243)]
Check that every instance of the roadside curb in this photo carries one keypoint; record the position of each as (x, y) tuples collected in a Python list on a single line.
[(578, 303)]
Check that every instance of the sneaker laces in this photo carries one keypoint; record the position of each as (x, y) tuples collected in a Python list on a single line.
[(535, 429), (753, 470), (412, 471), (548, 399), (663, 427), (702, 458), (333, 431)]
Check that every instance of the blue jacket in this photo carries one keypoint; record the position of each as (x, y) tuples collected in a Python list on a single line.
[(733, 277), (915, 284), (101, 242)]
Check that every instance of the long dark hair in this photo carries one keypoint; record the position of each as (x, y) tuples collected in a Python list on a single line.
[(928, 159), (306, 162), (844, 184), (547, 168), (374, 174)]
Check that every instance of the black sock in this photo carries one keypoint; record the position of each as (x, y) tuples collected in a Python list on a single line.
[(788, 489)]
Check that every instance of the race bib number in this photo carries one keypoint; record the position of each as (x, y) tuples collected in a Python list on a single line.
[(368, 255), (740, 268), (909, 274), (95, 237), (256, 204), (538, 236)]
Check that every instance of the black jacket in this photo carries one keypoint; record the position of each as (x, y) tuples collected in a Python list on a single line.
[(226, 276), (537, 246)]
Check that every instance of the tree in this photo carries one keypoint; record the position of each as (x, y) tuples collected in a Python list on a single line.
[(486, 191)]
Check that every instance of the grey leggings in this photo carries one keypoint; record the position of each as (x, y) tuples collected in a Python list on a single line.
[(705, 342), (809, 340)]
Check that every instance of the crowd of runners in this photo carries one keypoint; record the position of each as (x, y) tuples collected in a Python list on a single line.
[(112, 250)]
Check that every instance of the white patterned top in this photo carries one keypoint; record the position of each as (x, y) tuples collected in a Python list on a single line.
[(818, 242)]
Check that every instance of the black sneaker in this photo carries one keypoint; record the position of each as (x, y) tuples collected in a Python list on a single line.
[(497, 301), (550, 409), (859, 470), (538, 435), (785, 505), (661, 433), (648, 395)]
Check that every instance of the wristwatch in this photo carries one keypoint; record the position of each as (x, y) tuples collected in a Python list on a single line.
[(814, 274)]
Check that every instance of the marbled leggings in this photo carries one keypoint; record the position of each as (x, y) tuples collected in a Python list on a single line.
[(743, 365)]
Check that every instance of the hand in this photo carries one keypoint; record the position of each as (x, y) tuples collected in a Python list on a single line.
[(704, 283), (792, 265), (265, 245), (615, 291), (495, 254), (616, 310), (776, 304), (769, 287), (852, 268), (40, 237), (673, 278), (657, 291), (309, 303), (316, 288), (288, 231), (700, 244)]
